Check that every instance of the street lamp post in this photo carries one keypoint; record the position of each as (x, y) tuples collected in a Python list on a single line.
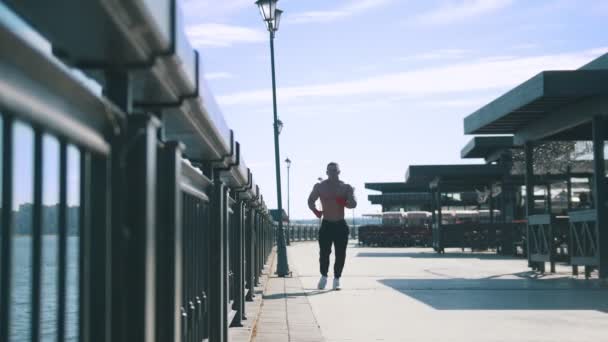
[(288, 236), (272, 16)]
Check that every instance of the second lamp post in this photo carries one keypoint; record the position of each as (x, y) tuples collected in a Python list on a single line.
[(272, 17)]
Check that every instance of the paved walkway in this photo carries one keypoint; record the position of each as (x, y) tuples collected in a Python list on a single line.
[(407, 294)]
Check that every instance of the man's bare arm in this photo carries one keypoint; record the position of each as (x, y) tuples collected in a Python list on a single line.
[(313, 197), (351, 201)]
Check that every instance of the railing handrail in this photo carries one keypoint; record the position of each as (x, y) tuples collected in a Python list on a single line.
[(193, 181)]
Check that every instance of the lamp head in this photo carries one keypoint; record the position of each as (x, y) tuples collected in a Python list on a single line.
[(274, 23), (267, 9)]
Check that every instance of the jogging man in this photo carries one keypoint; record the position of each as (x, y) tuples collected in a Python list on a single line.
[(335, 195)]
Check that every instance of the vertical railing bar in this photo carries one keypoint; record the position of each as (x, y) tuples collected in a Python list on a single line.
[(7, 228), (195, 271), (192, 282), (199, 226), (62, 254), (205, 264), (194, 221), (195, 290), (184, 265), (85, 268), (36, 238), (188, 252)]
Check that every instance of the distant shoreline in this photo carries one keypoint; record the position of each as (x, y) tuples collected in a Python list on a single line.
[(45, 234)]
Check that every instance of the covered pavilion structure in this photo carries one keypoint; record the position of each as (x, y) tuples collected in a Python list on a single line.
[(568, 109)]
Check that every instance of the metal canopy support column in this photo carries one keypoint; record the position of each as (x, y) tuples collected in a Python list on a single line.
[(491, 234), (439, 218), (529, 175), (550, 210), (569, 203), (217, 306), (433, 218), (599, 136)]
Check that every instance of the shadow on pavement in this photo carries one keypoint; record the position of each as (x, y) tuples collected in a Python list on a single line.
[(294, 295), (431, 255), (526, 293)]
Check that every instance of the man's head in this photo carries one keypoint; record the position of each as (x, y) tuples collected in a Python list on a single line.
[(333, 171)]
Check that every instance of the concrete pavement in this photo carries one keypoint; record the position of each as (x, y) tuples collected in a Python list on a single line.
[(408, 294)]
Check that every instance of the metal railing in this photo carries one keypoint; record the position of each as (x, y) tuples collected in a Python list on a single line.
[(303, 232), (546, 237), (120, 172), (584, 243)]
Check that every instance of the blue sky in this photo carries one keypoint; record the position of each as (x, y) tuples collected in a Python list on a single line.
[(378, 85)]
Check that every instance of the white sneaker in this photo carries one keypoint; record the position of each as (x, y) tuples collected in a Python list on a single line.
[(322, 283), (336, 284)]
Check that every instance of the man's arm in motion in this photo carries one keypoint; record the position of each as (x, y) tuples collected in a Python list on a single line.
[(351, 201), (312, 198)]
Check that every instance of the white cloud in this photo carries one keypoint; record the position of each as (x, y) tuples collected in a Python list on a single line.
[(479, 75), (218, 75), (440, 54), (525, 46), (460, 10), (351, 9), (213, 9), (221, 35)]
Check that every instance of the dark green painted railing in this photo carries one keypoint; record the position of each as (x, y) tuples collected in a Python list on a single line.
[(112, 229)]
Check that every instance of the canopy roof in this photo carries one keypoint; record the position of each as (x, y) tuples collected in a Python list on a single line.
[(397, 187), (420, 199), (428, 173), (411, 198), (536, 99), (553, 105), (483, 147)]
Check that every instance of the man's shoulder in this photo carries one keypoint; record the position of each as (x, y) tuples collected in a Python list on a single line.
[(344, 184)]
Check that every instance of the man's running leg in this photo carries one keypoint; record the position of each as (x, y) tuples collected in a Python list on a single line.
[(325, 240), (340, 243)]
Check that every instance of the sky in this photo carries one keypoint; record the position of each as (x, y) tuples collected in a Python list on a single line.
[(377, 85)]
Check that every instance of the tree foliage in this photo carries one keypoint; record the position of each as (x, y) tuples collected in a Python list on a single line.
[(556, 157)]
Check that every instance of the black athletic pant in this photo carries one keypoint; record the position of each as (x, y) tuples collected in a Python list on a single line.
[(335, 233)]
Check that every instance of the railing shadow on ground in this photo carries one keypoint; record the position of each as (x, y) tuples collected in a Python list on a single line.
[(523, 293), (295, 294), (433, 255)]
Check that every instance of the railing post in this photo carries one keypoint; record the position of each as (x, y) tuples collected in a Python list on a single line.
[(97, 256), (239, 281), (134, 242), (218, 314), (169, 237), (249, 257), (255, 249), (226, 262)]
